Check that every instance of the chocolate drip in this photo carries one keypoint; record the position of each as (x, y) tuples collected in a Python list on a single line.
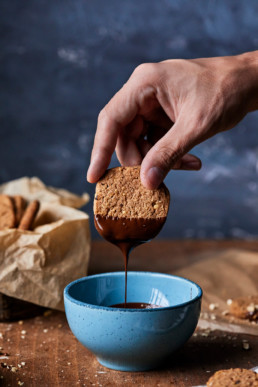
[(128, 233)]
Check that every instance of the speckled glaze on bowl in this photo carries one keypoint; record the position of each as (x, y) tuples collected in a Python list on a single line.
[(132, 339)]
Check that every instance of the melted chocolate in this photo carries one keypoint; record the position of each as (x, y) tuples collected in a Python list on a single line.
[(135, 305), (127, 233)]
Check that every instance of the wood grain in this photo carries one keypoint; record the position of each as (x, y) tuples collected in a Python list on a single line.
[(53, 357)]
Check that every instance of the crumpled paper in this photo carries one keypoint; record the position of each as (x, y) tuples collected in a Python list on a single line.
[(36, 265), (222, 276), (33, 188)]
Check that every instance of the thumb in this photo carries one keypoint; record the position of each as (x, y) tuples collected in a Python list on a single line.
[(167, 154)]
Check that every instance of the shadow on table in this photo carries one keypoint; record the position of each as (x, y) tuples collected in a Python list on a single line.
[(216, 351)]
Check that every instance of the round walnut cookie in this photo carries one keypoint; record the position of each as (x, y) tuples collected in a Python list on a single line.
[(233, 377), (120, 194)]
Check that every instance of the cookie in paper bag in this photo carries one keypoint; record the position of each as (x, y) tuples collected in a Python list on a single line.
[(7, 212), (29, 216)]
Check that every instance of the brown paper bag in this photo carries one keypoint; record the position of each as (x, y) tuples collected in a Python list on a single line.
[(33, 188), (36, 265), (222, 276)]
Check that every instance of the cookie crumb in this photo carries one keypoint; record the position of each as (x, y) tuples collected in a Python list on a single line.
[(245, 345), (213, 306), (250, 308), (47, 313)]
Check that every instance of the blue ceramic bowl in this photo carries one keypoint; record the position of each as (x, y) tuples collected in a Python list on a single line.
[(132, 339)]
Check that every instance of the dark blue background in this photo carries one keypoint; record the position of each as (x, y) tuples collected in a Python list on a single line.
[(62, 60)]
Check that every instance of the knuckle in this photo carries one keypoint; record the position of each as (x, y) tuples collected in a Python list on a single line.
[(103, 117), (102, 114), (146, 69), (169, 156)]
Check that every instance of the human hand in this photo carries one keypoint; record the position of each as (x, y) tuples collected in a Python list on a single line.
[(167, 108)]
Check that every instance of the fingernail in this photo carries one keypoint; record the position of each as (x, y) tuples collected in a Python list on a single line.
[(154, 177), (192, 165)]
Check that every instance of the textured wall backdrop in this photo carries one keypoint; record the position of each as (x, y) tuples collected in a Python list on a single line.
[(62, 60)]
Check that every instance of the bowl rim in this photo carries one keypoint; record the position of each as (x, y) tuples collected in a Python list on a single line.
[(118, 273)]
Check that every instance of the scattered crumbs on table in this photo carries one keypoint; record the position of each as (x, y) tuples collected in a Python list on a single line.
[(229, 301), (245, 345), (213, 306), (45, 330), (20, 322), (23, 332)]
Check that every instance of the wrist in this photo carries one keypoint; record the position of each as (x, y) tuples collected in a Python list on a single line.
[(248, 71)]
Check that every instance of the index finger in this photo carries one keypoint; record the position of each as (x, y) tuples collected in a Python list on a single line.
[(119, 112)]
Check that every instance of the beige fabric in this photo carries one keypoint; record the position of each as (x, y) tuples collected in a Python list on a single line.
[(224, 275)]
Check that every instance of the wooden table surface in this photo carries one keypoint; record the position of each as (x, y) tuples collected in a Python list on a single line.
[(44, 352)]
